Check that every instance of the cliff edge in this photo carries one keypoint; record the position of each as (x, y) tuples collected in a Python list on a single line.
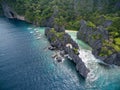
[(97, 38), (62, 41)]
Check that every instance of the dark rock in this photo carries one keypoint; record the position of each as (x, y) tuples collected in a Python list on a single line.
[(59, 28), (59, 59), (10, 13), (60, 44), (51, 48), (62, 53), (107, 23), (92, 36), (117, 5), (80, 66), (95, 37), (68, 57), (113, 59), (50, 22)]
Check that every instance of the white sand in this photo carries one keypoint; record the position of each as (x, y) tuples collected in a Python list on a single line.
[(70, 31)]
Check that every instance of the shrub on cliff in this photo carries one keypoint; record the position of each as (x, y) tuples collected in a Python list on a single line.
[(58, 35), (75, 50), (117, 41), (90, 24)]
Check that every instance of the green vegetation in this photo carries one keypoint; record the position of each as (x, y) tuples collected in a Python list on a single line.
[(110, 47), (75, 50), (105, 51), (70, 12), (114, 31), (117, 41), (95, 36), (58, 35), (90, 24), (53, 31)]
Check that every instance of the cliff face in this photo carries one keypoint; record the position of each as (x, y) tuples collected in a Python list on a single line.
[(62, 41), (95, 38), (92, 36), (10, 13)]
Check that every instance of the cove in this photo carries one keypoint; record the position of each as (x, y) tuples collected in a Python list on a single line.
[(25, 64)]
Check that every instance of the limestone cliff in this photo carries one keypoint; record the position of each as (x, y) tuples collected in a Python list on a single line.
[(10, 13), (95, 38), (60, 40)]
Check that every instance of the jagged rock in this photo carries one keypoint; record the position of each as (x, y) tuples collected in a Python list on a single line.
[(51, 48), (92, 36), (8, 12), (117, 5), (60, 44), (80, 66), (107, 23), (59, 59), (95, 37), (59, 28), (50, 22), (113, 59)]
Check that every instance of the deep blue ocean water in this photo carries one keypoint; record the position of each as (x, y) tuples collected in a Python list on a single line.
[(26, 64)]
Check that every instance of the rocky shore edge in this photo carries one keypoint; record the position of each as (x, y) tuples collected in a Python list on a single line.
[(60, 40), (95, 38)]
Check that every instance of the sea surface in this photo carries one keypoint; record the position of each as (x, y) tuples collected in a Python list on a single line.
[(26, 64)]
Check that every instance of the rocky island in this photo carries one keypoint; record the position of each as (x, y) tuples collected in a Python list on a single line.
[(59, 39)]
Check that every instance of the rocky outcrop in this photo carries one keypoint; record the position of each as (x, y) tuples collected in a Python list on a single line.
[(50, 21), (92, 36), (113, 59), (95, 37), (10, 13), (80, 66), (62, 41)]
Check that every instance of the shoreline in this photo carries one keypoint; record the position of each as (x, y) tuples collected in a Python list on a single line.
[(71, 31)]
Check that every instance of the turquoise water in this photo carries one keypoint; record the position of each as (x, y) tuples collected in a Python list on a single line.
[(26, 64), (81, 43), (100, 77)]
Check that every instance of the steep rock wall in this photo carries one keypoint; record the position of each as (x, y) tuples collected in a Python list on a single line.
[(10, 13), (60, 42), (95, 37)]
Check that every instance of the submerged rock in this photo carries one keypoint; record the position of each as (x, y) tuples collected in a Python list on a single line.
[(59, 59)]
